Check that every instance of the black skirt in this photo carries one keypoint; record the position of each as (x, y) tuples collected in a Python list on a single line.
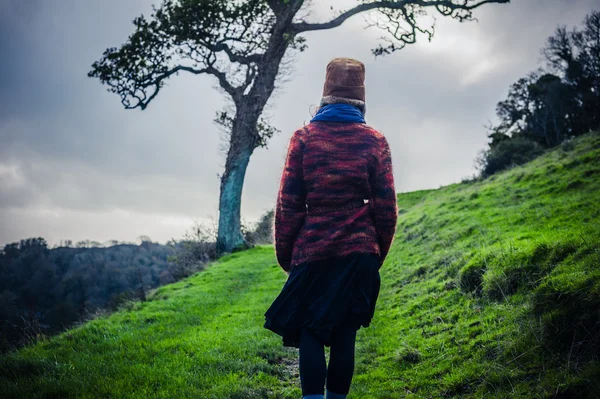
[(324, 294)]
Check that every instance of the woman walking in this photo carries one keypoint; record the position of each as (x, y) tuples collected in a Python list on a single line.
[(330, 241)]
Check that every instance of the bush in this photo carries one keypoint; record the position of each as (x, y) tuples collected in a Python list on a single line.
[(194, 252), (508, 153), (262, 233)]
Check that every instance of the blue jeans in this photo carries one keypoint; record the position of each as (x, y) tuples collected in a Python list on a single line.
[(341, 362)]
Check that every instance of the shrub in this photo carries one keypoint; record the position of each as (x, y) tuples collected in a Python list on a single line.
[(507, 153), (192, 253), (262, 232)]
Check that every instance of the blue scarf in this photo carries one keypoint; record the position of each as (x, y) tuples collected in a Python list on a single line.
[(339, 113)]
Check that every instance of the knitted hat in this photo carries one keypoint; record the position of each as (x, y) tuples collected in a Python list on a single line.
[(345, 83)]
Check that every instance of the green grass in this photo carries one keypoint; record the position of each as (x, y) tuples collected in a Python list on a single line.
[(198, 338), (490, 290)]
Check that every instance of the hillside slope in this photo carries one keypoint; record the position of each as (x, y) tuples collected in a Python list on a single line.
[(491, 290)]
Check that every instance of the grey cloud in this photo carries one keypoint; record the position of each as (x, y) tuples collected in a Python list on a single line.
[(80, 156)]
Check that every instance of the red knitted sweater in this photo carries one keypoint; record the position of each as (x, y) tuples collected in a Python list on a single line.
[(328, 165)]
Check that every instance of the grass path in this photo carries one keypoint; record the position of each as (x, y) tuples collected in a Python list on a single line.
[(199, 338)]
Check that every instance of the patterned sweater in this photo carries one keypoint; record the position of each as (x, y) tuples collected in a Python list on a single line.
[(328, 165)]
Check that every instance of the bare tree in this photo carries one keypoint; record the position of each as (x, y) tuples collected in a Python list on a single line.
[(242, 44)]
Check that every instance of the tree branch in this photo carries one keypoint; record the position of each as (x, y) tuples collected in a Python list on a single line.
[(446, 7), (275, 6), (192, 36), (240, 59), (144, 100), (234, 92)]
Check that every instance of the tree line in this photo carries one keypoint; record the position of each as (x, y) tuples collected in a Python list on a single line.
[(559, 101), (44, 291)]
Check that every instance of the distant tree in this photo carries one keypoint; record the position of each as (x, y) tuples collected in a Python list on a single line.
[(8, 320), (242, 44), (517, 108), (539, 106), (165, 277), (79, 295), (141, 289), (549, 106), (144, 239), (62, 315), (43, 291), (554, 110), (575, 56), (10, 252)]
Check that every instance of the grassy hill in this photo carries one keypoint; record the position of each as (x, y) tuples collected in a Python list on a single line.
[(491, 289)]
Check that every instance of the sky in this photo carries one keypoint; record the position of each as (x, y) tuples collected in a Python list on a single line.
[(75, 165)]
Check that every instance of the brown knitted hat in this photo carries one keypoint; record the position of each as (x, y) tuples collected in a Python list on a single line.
[(344, 82)]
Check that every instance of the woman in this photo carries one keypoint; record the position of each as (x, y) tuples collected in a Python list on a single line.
[(330, 241)]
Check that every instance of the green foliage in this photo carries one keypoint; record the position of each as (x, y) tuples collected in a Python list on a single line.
[(552, 105), (43, 291), (262, 231), (193, 253), (187, 36), (509, 153)]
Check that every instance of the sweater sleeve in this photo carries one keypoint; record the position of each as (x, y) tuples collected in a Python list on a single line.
[(385, 206), (290, 209)]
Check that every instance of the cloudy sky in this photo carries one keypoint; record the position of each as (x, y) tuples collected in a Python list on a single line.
[(75, 165)]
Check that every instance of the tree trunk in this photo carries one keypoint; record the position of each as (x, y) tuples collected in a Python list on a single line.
[(244, 136), (229, 237)]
